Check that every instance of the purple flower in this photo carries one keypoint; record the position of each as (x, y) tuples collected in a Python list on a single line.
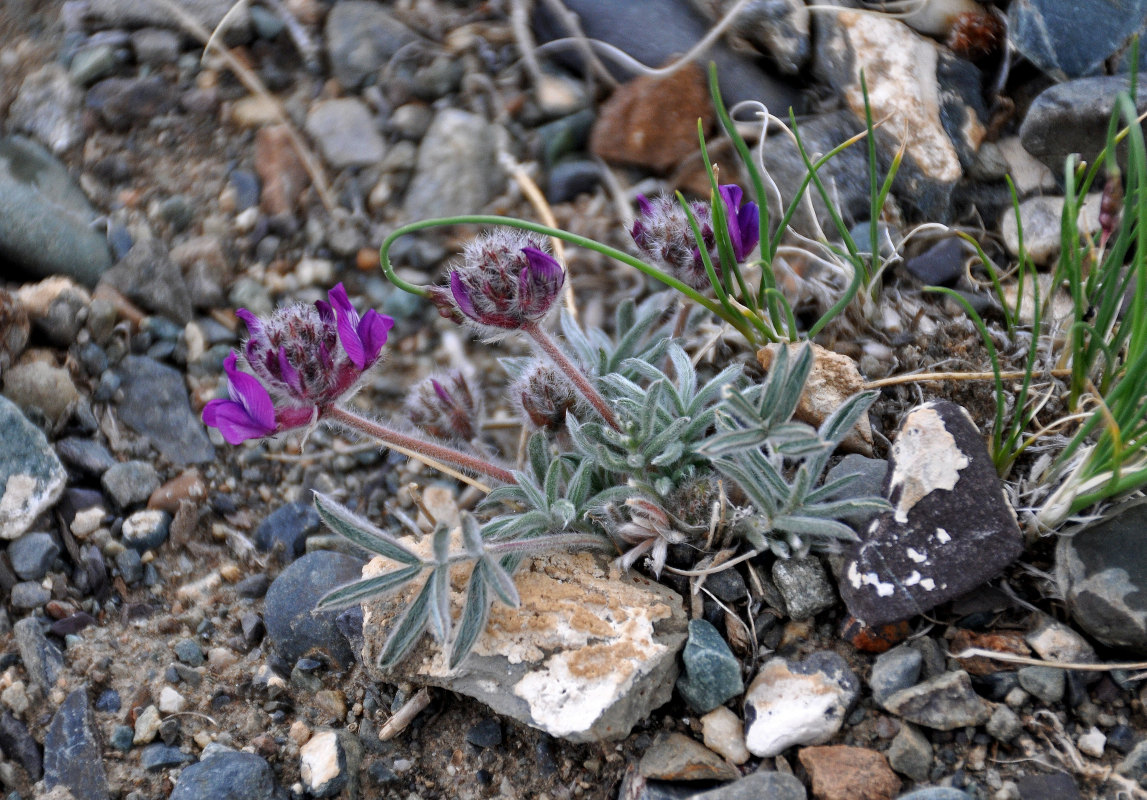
[(248, 414), (505, 282), (304, 358), (744, 223), (662, 232), (444, 406)]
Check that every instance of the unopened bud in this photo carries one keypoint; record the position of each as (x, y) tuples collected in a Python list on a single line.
[(444, 406)]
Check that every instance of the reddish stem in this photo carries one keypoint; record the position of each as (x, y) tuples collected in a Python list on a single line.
[(576, 376), (446, 455)]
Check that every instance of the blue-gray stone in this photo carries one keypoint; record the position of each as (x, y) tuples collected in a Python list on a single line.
[(109, 701), (712, 673), (130, 565), (17, 744), (296, 632), (158, 756), (146, 530), (45, 219), (485, 734), (290, 524), (1059, 785), (936, 793), (31, 475), (1045, 683), (122, 737), (226, 776), (361, 37), (155, 404), (1134, 764), (32, 555), (1103, 572), (93, 63), (568, 179), (804, 585), (189, 652), (72, 753), (86, 455), (130, 482), (148, 276), (897, 669), (1047, 33), (27, 595), (759, 785), (246, 186), (457, 168), (43, 661)]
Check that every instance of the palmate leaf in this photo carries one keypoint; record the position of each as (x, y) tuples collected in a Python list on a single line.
[(368, 588), (351, 526), (408, 630)]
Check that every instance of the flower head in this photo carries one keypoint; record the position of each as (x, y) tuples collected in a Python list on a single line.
[(304, 359), (506, 282), (545, 395), (743, 221), (444, 406)]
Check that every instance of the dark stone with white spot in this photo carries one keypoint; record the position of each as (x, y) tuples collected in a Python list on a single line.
[(944, 703), (293, 629), (950, 528), (712, 673), (31, 476), (146, 530), (235, 776), (1102, 572), (893, 671), (290, 524), (72, 752), (42, 659), (32, 555), (329, 763), (155, 404)]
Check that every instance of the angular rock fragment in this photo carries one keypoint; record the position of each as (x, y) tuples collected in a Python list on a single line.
[(944, 703), (950, 529)]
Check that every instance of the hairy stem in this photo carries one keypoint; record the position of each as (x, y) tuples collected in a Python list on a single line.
[(447, 455), (577, 377)]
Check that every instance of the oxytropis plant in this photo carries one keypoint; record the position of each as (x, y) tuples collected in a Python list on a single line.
[(632, 449)]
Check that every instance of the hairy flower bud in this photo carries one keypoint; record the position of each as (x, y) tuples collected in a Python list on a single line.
[(444, 406), (662, 231), (545, 395), (506, 281)]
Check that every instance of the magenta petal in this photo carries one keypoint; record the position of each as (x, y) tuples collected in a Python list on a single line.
[(326, 312), (348, 326), (644, 205), (254, 324), (233, 421), (372, 332), (462, 296), (341, 302), (749, 223), (289, 374), (440, 390), (545, 271), (731, 193)]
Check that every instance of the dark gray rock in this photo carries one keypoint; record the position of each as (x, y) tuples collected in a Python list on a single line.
[(656, 31), (457, 170), (804, 585), (43, 661), (157, 756), (32, 555), (291, 525), (155, 404), (780, 30), (950, 529), (208, 13), (130, 482), (146, 530), (1045, 683), (944, 703), (72, 751), (17, 744), (568, 179), (1059, 785), (361, 37), (1073, 118), (936, 793), (226, 776), (910, 753), (897, 669), (757, 786), (345, 132), (48, 108), (1102, 572), (712, 673), (148, 276), (130, 566), (485, 734), (189, 652), (123, 103), (28, 595), (155, 47), (942, 264), (1047, 33), (294, 631), (45, 219)]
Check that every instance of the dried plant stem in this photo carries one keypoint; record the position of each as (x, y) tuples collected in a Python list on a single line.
[(415, 447), (1011, 658), (921, 377), (575, 375), (405, 715), (254, 85)]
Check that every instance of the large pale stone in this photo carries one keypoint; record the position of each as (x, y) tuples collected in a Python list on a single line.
[(589, 653)]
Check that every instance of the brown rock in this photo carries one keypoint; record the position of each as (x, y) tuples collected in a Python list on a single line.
[(280, 169), (652, 122), (999, 641), (839, 772), (185, 486), (834, 379), (677, 757)]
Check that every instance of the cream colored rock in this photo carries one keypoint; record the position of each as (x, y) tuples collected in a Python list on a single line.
[(171, 701), (724, 734), (834, 378), (1042, 218), (589, 653)]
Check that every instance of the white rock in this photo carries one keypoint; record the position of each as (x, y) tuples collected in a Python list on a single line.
[(319, 760), (723, 733), (1054, 641), (171, 701), (1092, 743), (146, 725), (588, 654)]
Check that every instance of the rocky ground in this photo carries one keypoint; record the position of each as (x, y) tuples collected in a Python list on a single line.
[(156, 636)]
